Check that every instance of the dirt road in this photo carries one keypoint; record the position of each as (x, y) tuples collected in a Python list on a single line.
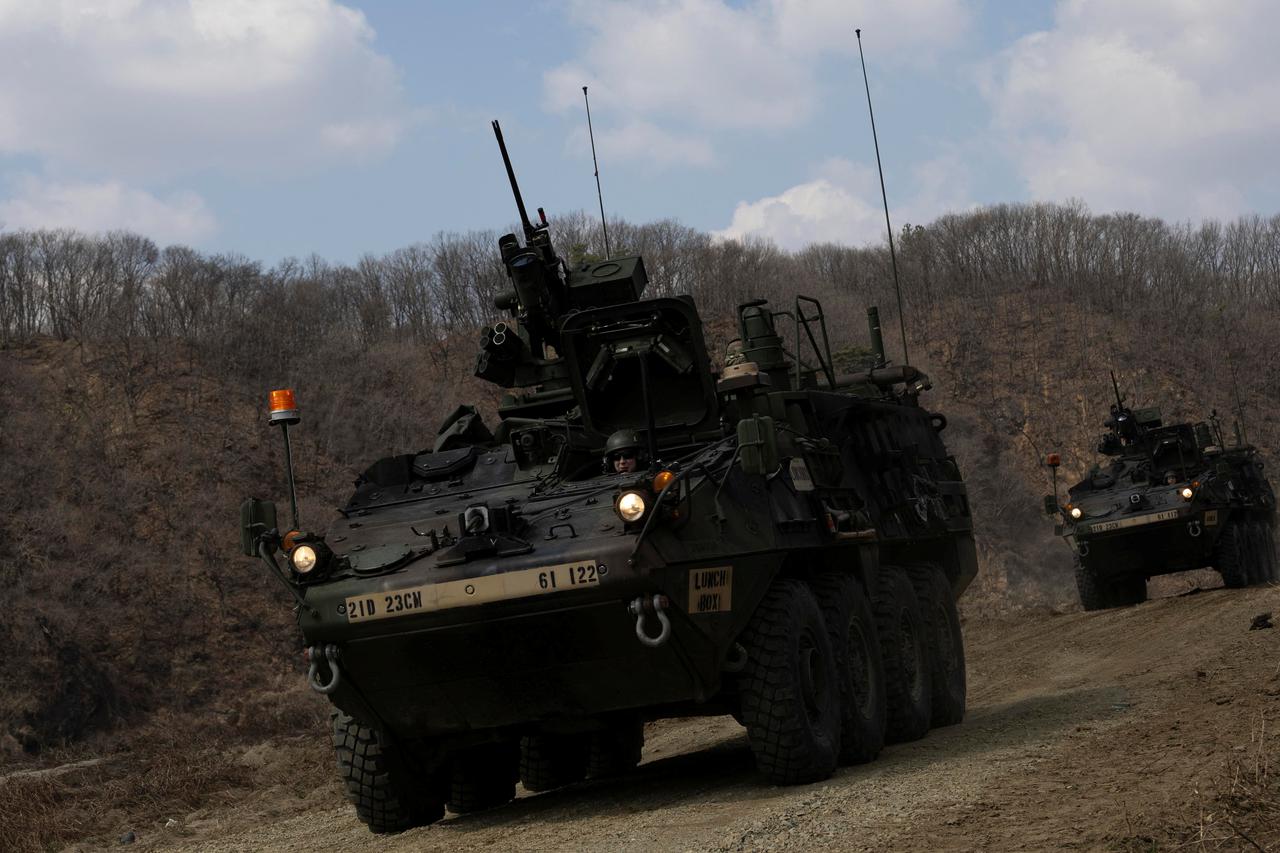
[(1084, 731)]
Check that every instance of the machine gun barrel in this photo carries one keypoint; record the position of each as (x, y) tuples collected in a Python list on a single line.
[(1115, 386), (877, 339), (511, 176)]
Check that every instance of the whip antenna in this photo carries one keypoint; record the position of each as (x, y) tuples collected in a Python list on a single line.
[(604, 225), (893, 257)]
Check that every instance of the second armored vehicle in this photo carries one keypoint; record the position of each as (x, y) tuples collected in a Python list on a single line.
[(637, 538), (1173, 498)]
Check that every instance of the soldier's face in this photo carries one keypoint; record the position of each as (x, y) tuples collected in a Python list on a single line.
[(624, 463)]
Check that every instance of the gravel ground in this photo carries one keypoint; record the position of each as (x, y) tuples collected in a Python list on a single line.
[(1084, 731)]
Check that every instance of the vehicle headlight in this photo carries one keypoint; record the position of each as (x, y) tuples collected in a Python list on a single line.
[(630, 506), (1076, 512), (1187, 493), (303, 559)]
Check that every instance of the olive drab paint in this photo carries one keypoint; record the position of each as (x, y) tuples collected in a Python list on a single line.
[(488, 591), (1171, 498)]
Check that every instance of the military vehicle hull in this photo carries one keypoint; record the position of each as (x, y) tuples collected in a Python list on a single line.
[(1172, 501), (641, 536), (547, 636)]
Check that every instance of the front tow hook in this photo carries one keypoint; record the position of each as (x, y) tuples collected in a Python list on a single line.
[(640, 607), (328, 657)]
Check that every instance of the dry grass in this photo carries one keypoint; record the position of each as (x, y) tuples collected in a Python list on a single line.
[(42, 812), (1244, 811), (165, 771), (1238, 810)]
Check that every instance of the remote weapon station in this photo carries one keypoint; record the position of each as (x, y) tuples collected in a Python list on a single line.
[(639, 537), (1173, 498)]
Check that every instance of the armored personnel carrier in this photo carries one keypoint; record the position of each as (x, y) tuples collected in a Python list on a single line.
[(639, 536), (1172, 498)]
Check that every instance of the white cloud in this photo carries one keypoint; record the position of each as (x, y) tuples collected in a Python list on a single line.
[(167, 87), (1165, 108), (843, 205), (106, 206), (710, 65), (644, 142)]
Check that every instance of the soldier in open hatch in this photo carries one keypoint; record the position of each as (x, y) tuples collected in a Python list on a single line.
[(781, 543), (1173, 498), (622, 452)]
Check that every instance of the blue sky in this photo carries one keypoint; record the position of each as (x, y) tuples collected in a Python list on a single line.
[(277, 128)]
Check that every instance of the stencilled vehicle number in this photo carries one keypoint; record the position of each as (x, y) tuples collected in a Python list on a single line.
[(1137, 521), (471, 591), (560, 576)]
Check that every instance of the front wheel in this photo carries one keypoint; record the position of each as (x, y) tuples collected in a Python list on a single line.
[(1267, 537), (378, 780), (1262, 553), (1100, 593), (1231, 554), (615, 749), (788, 691), (552, 761), (483, 777)]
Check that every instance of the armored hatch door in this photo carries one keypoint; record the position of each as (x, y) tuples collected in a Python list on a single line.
[(611, 350)]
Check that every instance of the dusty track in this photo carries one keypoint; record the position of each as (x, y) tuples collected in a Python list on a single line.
[(1083, 730)]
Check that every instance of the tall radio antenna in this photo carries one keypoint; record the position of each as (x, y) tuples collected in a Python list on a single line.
[(893, 257), (604, 225)]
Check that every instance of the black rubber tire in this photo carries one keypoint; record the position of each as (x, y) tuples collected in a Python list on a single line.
[(1093, 592), (1253, 567), (378, 783), (856, 643), (788, 689), (1231, 555), (905, 649), (616, 749), (1128, 591), (483, 777), (1262, 553), (1272, 566), (550, 761), (946, 643)]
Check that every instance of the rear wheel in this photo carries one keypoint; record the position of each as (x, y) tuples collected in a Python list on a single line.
[(788, 690), (907, 666), (946, 644), (552, 761), (378, 781), (483, 777), (859, 666)]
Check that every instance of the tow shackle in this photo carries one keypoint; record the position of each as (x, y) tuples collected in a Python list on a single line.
[(328, 655), (640, 607)]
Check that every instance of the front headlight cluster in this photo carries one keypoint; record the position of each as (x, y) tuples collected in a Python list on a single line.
[(307, 553), (1076, 512), (630, 506), (303, 559), (1187, 493)]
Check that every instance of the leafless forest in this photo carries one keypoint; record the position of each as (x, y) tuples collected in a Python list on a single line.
[(132, 418)]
